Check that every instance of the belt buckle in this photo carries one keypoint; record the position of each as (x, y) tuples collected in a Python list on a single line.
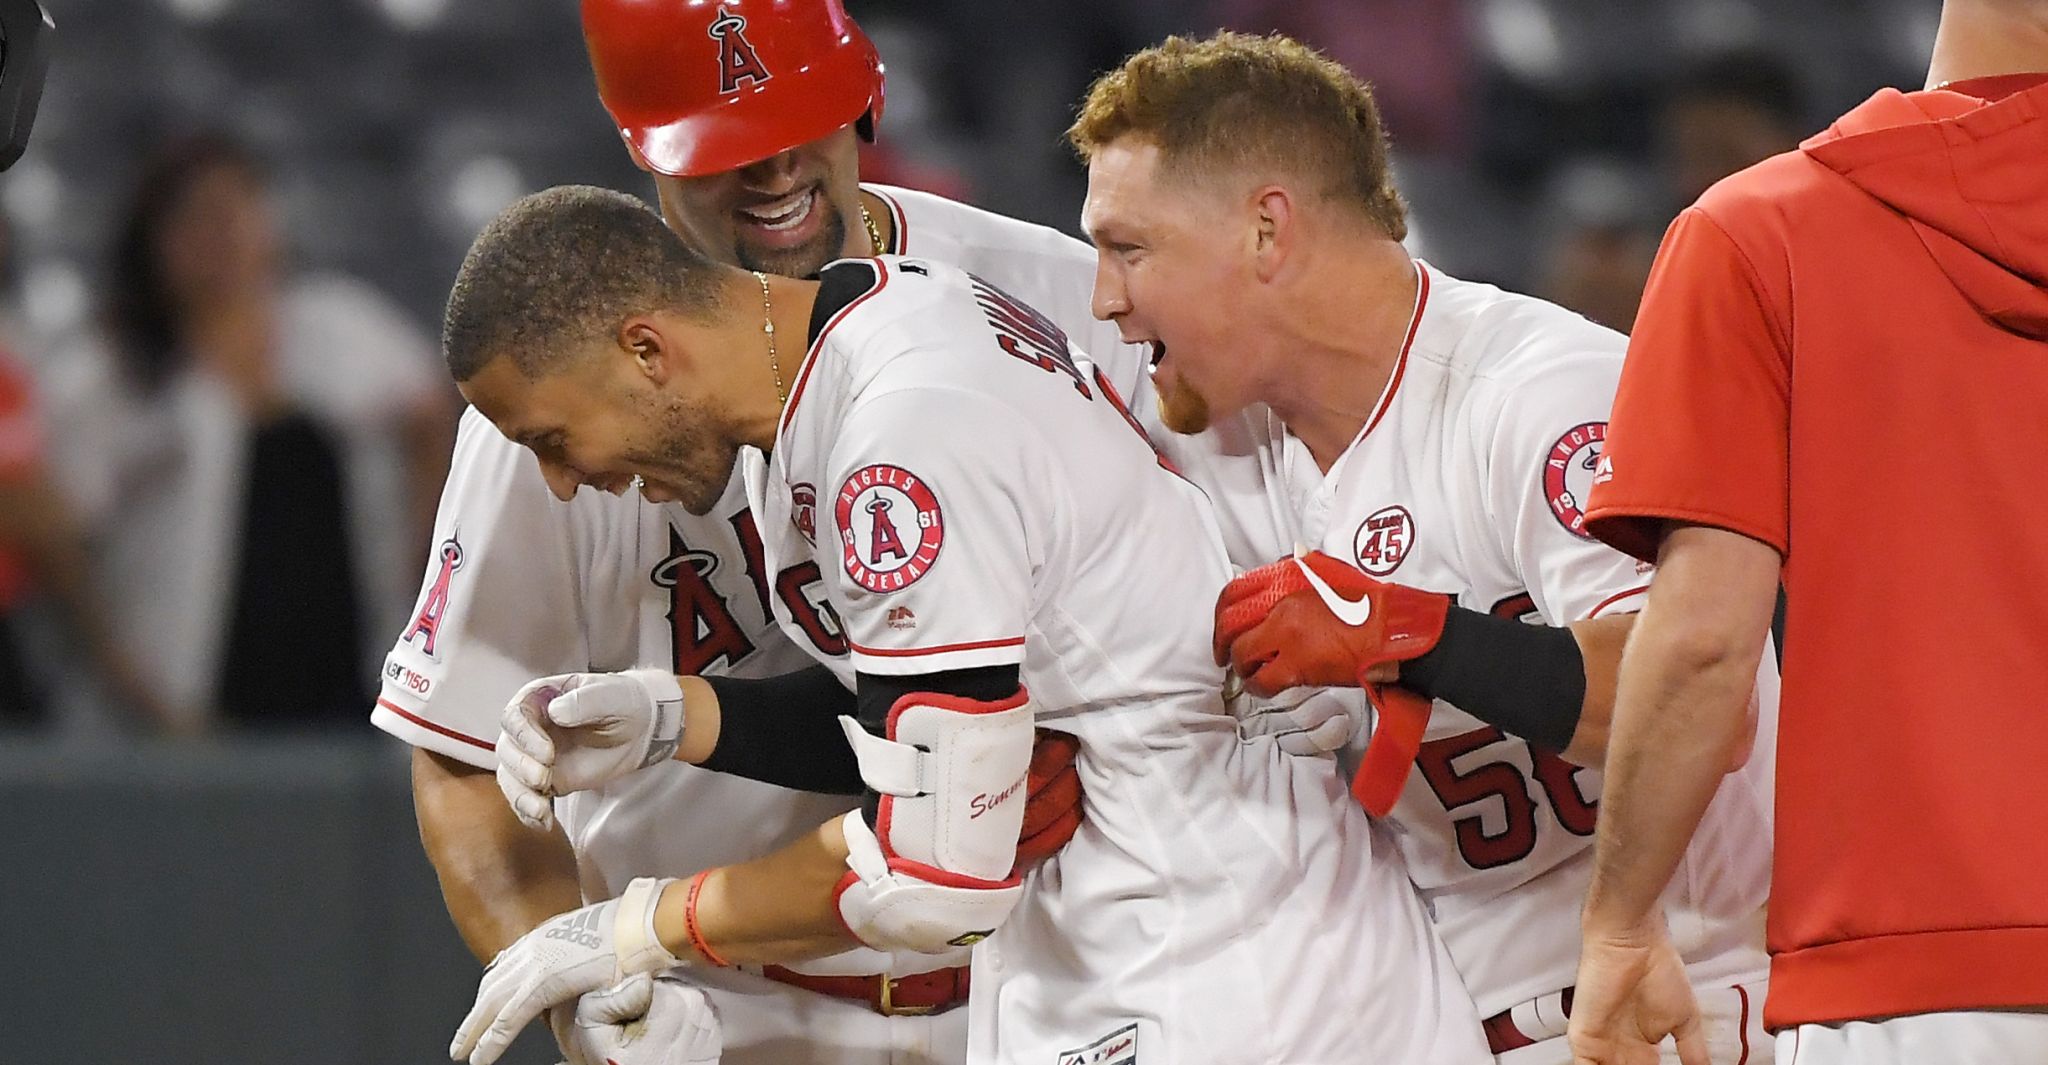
[(885, 1002)]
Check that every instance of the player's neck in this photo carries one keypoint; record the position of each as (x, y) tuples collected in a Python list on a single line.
[(1983, 38), (1351, 320), (763, 383)]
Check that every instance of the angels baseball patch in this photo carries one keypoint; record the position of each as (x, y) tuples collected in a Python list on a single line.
[(1568, 474), (890, 527)]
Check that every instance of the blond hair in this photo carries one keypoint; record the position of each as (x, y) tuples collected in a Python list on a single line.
[(1236, 103)]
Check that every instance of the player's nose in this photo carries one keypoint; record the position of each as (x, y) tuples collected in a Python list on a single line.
[(774, 175), (1108, 301)]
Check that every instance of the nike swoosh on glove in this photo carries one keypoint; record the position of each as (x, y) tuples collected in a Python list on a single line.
[(1313, 620)]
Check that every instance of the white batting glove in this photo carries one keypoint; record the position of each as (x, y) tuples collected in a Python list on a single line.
[(1303, 721), (567, 956), (647, 1020), (578, 731)]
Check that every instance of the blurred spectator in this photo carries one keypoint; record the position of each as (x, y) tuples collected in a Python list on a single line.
[(257, 454), (1418, 57), (1725, 113), (41, 553), (1604, 238)]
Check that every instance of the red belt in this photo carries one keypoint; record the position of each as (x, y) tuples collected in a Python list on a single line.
[(891, 996), (1502, 1035)]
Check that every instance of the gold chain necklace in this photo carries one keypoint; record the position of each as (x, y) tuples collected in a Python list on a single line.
[(874, 231), (768, 327)]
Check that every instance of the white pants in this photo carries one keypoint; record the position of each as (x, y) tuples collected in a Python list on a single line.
[(1733, 1018), (1987, 1037), (767, 1023)]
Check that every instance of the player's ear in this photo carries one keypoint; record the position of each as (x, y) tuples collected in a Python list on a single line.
[(1272, 215), (653, 352)]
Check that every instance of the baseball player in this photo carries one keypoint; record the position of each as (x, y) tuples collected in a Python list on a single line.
[(1002, 546), (521, 585), (1414, 449)]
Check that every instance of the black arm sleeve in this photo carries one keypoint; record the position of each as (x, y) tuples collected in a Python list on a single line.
[(1529, 680), (877, 694), (785, 730)]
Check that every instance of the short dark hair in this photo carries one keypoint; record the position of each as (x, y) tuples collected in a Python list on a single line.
[(1240, 102), (567, 264)]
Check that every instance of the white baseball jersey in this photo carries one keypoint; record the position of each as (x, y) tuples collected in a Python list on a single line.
[(1468, 479), (521, 585), (974, 495)]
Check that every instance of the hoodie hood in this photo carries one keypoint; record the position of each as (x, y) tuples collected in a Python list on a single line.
[(1971, 177)]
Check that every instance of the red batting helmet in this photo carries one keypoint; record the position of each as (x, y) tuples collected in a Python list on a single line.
[(703, 86)]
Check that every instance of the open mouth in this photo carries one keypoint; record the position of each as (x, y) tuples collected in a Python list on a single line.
[(1158, 353), (782, 215)]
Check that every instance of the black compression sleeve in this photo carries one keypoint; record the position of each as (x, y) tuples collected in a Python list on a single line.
[(1529, 680), (785, 730), (878, 694)]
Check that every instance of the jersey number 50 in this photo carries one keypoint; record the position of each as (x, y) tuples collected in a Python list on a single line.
[(1503, 780)]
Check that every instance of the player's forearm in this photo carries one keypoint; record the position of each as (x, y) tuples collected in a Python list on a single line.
[(779, 908), (1681, 713), (499, 878), (1600, 643), (780, 730)]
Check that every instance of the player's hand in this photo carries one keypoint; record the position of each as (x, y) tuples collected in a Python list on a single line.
[(568, 956), (1631, 994), (1052, 799), (648, 1020), (578, 731), (1313, 621), (1303, 721)]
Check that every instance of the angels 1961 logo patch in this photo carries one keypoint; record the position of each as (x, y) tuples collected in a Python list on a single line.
[(1568, 472), (890, 527)]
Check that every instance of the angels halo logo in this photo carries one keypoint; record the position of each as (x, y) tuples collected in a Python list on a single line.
[(890, 527)]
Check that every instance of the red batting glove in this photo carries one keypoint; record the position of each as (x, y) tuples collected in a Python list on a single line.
[(1052, 799), (1278, 630)]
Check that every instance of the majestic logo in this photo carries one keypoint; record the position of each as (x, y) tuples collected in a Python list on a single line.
[(803, 510), (1383, 540), (900, 617), (1117, 1048), (890, 527), (427, 622), (1352, 612), (738, 63), (1568, 474)]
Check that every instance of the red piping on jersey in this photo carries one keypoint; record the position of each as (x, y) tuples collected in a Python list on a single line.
[(1615, 598), (1401, 364), (913, 652), (431, 727), (899, 238), (803, 374), (1742, 1028)]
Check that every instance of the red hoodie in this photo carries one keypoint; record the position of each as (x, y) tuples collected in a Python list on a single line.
[(1843, 353)]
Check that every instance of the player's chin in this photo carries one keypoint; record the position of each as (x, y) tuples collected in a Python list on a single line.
[(1181, 408)]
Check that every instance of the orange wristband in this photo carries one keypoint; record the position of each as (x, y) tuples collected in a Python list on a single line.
[(690, 923)]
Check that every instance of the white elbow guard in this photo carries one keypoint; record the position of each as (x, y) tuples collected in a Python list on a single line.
[(935, 872)]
